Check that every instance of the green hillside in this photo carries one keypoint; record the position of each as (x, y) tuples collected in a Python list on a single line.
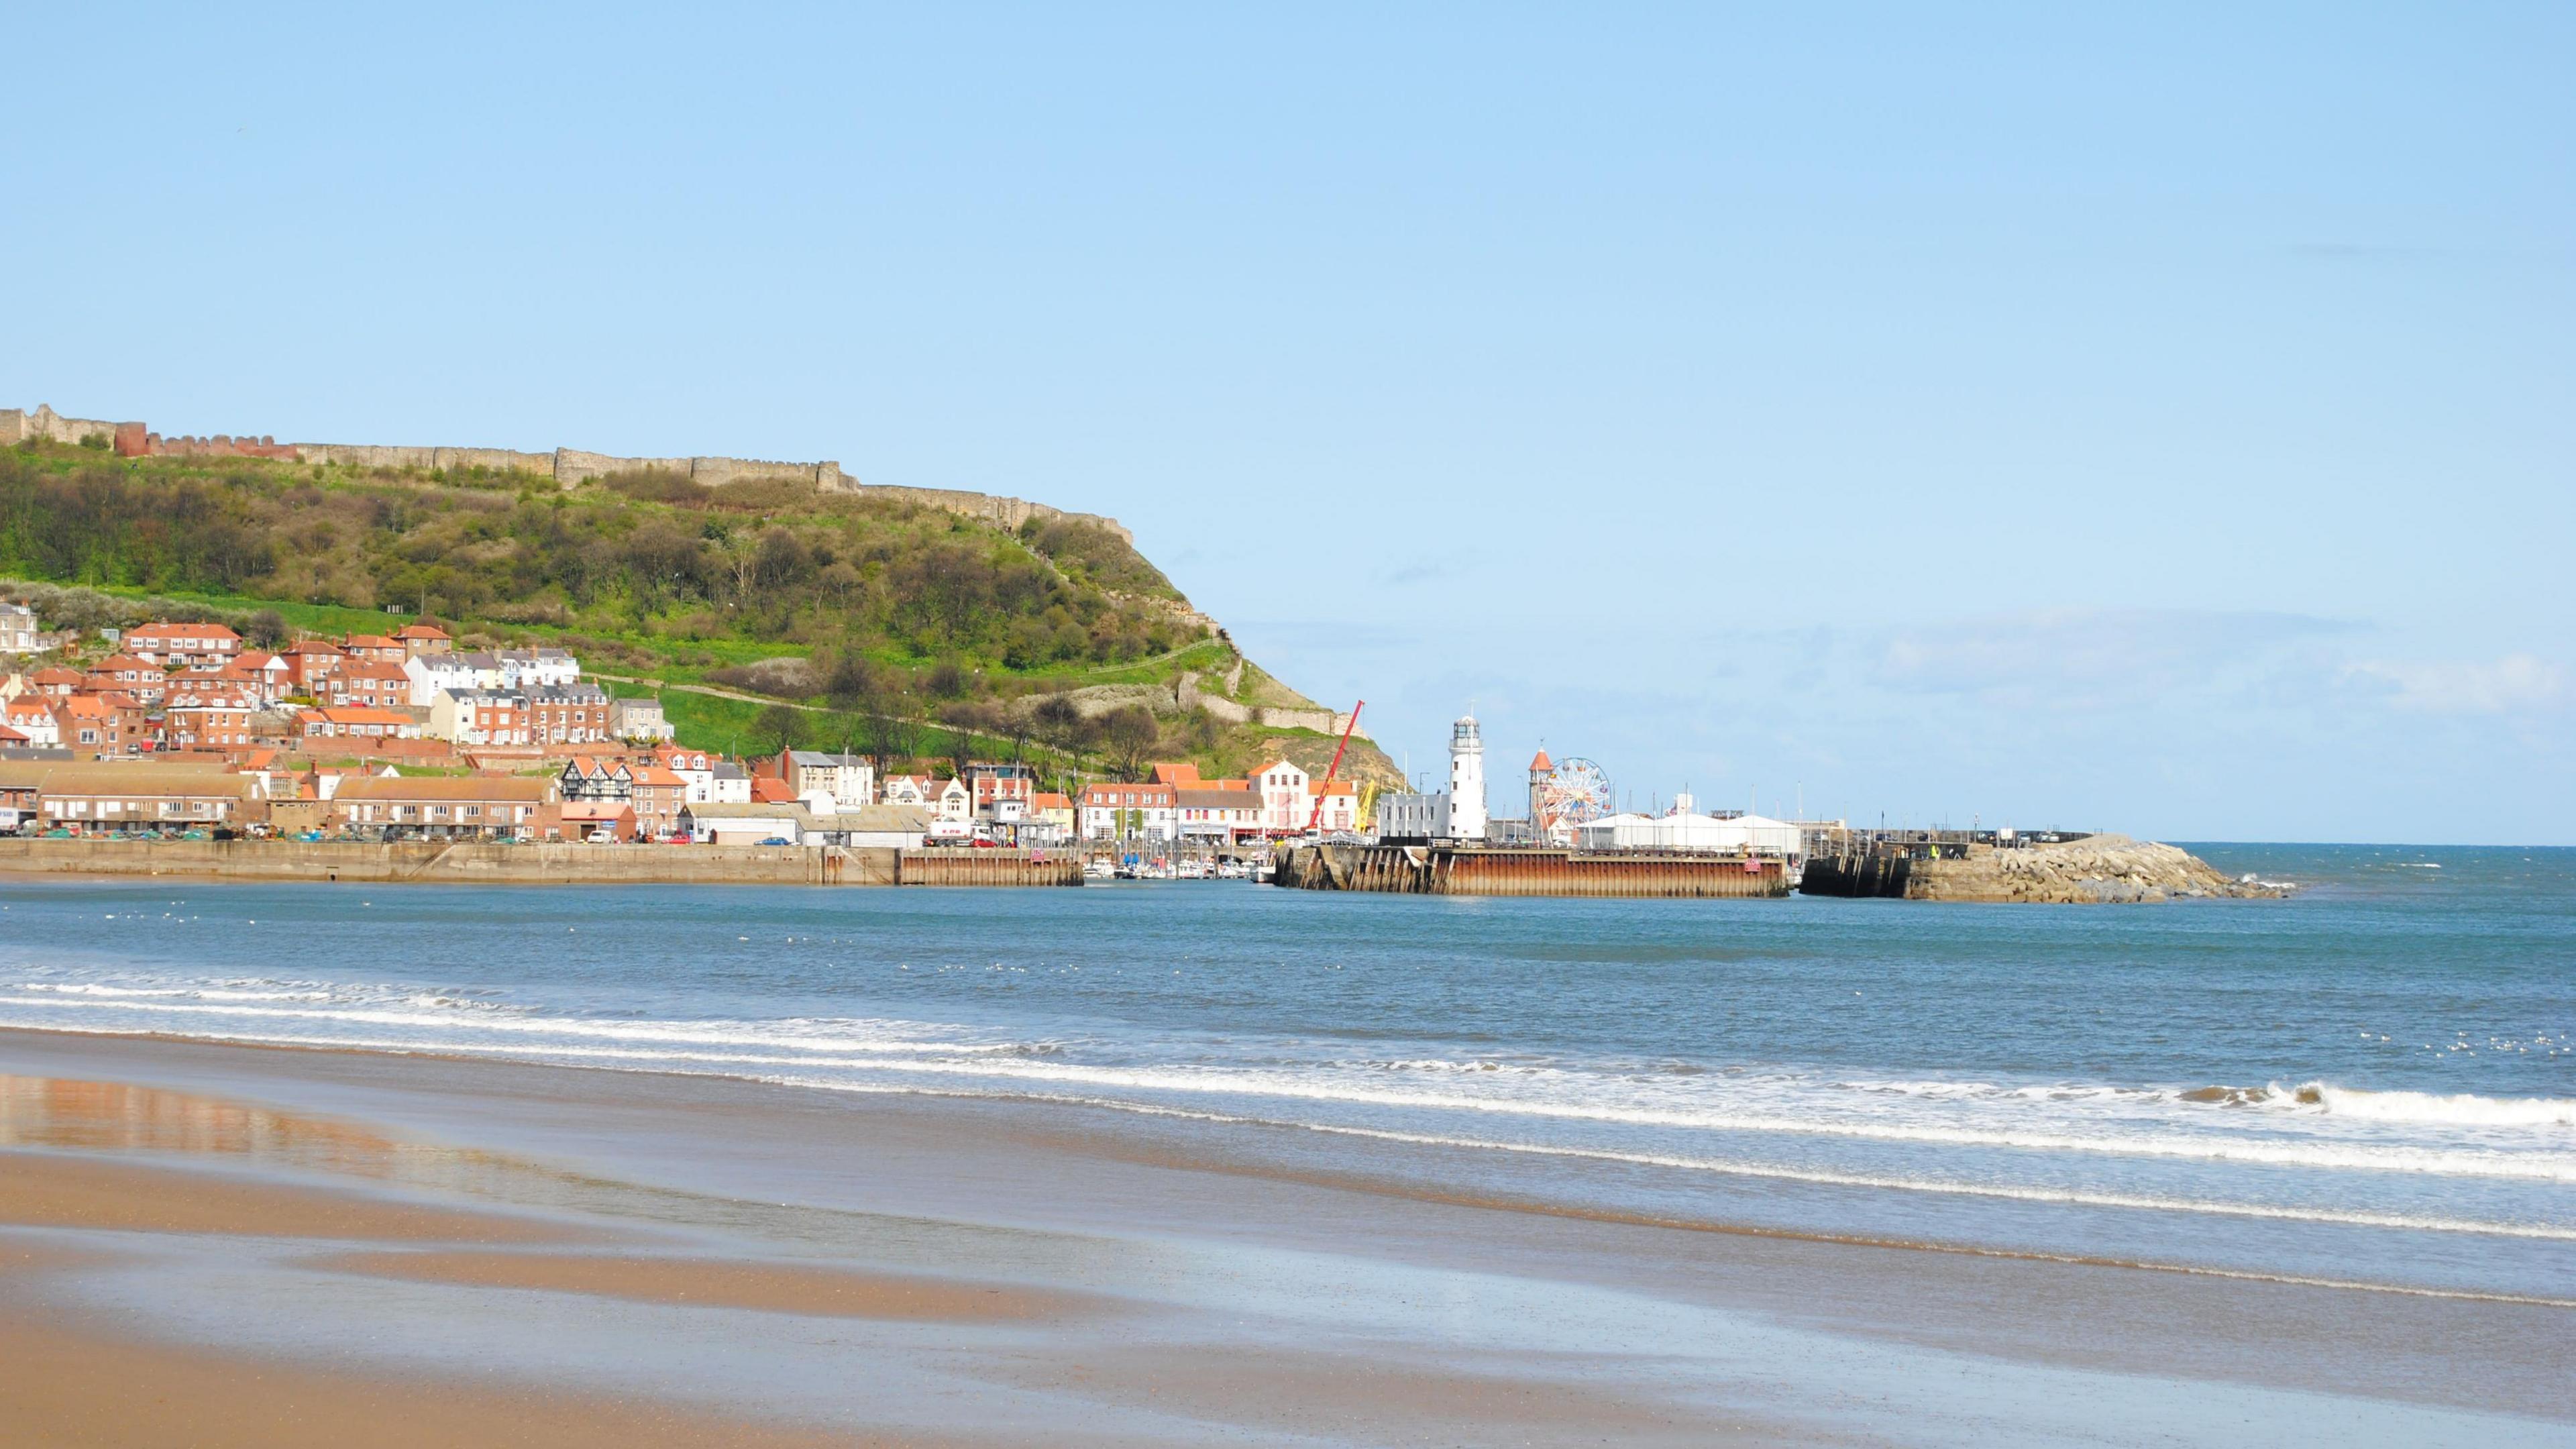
[(888, 625)]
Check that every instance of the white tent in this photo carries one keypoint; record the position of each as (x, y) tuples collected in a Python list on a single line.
[(1763, 835), (1742, 834)]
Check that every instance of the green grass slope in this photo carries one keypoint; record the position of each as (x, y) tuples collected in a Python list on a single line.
[(931, 634)]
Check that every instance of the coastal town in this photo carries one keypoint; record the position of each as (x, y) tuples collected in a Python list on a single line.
[(183, 729)]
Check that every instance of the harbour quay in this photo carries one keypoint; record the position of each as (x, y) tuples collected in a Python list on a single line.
[(1466, 870)]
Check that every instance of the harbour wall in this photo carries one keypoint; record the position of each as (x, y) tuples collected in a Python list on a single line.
[(542, 864), (1857, 875), (1453, 871), (941, 866)]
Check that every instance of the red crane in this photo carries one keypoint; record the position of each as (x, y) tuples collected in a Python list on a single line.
[(1316, 816)]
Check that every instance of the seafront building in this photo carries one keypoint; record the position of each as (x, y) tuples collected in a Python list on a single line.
[(407, 736), (1456, 813)]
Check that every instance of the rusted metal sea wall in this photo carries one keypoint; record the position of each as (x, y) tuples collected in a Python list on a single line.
[(1449, 871), (945, 867), (1859, 873)]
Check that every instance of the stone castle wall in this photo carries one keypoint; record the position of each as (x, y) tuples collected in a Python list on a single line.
[(567, 466), (45, 425)]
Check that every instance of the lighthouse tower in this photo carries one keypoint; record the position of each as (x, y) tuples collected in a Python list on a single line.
[(1541, 767), (1466, 781)]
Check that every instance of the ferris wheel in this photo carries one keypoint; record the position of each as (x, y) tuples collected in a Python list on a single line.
[(1576, 791)]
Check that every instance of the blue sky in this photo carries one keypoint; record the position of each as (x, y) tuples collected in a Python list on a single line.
[(2157, 421)]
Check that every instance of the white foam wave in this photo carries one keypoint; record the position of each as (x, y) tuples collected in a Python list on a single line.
[(2462, 1108), (455, 1014), (1795, 1174), (697, 1064), (207, 993), (831, 1045)]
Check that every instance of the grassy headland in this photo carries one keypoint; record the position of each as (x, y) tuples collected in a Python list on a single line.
[(880, 624)]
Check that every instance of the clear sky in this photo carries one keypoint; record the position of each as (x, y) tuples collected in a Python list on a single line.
[(2156, 417)]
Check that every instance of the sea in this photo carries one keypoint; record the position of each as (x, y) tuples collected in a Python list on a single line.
[(2372, 1082)]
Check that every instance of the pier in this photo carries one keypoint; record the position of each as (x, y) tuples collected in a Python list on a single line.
[(1445, 870)]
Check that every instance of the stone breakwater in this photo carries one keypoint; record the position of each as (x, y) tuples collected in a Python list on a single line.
[(2098, 869)]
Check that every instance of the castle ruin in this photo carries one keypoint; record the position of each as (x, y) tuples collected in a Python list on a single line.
[(569, 467)]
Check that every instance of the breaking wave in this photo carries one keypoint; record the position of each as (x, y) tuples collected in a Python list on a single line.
[(2461, 1109)]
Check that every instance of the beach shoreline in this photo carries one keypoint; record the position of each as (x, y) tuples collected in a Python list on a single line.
[(1126, 1244)]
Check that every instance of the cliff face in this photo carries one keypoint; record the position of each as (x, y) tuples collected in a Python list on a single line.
[(2098, 868)]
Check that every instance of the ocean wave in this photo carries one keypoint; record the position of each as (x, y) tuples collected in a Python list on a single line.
[(1543, 1095), (2460, 1109), (2067, 1196), (481, 1018), (201, 993)]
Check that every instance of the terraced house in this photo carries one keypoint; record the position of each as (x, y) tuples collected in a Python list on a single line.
[(480, 716), (356, 723), (474, 807), (99, 724), (568, 714), (176, 646), (148, 798), (210, 719), (367, 684)]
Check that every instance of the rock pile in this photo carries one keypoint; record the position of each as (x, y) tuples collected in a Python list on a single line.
[(2095, 869)]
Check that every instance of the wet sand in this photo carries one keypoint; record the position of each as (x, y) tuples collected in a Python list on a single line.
[(68, 1389), (819, 1292), (297, 1235), (39, 1190)]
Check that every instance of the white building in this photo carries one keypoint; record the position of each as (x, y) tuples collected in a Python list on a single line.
[(1121, 812), (1466, 813), (1408, 815), (903, 827), (475, 716), (537, 668), (1286, 801), (728, 784), (32, 715), (1457, 813), (749, 824), (17, 629), (638, 719), (432, 675), (849, 780)]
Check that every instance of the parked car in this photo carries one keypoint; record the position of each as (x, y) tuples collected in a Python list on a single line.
[(778, 840)]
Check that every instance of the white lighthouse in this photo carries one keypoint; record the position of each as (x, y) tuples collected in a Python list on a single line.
[(1466, 812)]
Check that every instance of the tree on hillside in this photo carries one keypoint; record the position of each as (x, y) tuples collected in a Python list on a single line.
[(778, 727), (888, 740), (1018, 726), (1131, 734), (849, 681), (969, 718), (946, 680), (1059, 722)]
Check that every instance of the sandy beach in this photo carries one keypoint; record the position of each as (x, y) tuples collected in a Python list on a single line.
[(297, 1246)]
